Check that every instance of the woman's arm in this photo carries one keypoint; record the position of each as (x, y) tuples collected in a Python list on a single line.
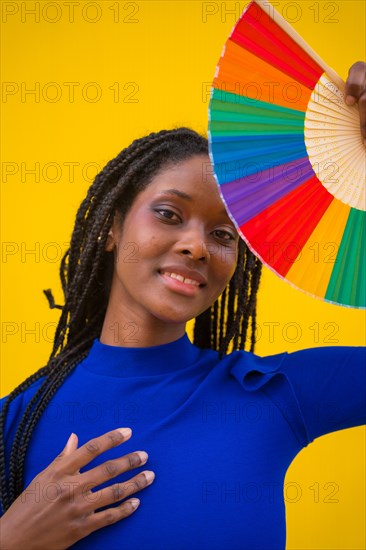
[(330, 387)]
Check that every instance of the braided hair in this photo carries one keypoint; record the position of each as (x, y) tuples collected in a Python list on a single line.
[(86, 274)]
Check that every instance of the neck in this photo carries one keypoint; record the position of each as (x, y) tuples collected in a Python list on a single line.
[(128, 329)]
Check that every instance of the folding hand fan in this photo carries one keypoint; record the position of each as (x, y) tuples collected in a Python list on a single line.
[(289, 158)]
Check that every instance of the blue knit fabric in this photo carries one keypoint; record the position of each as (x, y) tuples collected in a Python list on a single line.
[(220, 435)]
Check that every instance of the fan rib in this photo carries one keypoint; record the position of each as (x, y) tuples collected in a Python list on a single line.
[(276, 48), (320, 248), (347, 283), (288, 223)]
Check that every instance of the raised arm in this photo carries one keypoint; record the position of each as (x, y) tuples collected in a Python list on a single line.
[(330, 387)]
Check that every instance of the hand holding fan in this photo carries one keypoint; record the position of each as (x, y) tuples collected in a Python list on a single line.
[(289, 158)]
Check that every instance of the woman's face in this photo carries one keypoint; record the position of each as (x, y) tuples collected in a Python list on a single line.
[(177, 248)]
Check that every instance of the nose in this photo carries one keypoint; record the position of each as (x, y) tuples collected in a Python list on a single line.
[(192, 243)]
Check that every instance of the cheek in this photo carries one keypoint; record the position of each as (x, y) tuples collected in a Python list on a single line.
[(151, 245), (224, 268), (141, 240), (229, 259)]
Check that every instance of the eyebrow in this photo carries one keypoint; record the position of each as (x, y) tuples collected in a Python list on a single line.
[(185, 196), (177, 193)]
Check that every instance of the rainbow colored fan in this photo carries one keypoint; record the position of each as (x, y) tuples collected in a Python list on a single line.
[(289, 158)]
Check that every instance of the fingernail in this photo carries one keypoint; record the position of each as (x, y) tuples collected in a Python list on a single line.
[(134, 502), (150, 476), (143, 455), (350, 100), (68, 443), (126, 432)]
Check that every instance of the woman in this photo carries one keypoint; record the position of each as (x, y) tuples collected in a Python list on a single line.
[(152, 248)]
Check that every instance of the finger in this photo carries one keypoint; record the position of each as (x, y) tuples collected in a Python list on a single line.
[(113, 468), (356, 83), (71, 445), (362, 106), (109, 516), (117, 492), (93, 448)]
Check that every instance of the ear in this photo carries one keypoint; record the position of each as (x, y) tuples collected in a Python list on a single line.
[(113, 235), (110, 242)]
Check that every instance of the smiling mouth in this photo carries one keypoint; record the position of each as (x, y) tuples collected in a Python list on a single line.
[(182, 279)]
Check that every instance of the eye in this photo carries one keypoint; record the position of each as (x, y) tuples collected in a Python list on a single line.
[(224, 235), (168, 214)]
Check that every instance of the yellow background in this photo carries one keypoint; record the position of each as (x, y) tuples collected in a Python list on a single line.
[(160, 56)]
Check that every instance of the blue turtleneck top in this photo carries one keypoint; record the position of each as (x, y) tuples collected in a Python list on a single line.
[(220, 435)]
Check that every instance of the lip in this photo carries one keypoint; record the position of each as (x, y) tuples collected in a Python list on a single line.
[(179, 287), (186, 273)]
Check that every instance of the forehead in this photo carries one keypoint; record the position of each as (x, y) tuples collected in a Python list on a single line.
[(192, 177)]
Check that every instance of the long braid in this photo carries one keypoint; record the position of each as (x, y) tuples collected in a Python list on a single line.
[(256, 276), (41, 406), (24, 434), (202, 329), (85, 272), (222, 314), (17, 391), (244, 303)]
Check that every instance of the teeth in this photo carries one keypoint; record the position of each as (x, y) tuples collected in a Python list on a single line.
[(182, 279), (191, 282)]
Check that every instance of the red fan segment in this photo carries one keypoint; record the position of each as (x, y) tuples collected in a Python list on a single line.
[(276, 47), (280, 231)]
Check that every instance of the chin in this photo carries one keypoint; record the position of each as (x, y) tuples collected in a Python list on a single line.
[(176, 317)]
